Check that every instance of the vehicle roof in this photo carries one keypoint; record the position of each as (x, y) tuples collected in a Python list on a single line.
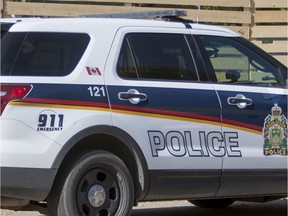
[(79, 24)]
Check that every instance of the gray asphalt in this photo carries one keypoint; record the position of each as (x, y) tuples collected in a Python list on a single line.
[(184, 208)]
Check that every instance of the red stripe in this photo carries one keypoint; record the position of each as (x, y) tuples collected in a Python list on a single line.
[(65, 102), (166, 112), (186, 115), (143, 110), (242, 124)]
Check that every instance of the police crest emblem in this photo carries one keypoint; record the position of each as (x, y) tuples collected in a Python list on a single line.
[(275, 132)]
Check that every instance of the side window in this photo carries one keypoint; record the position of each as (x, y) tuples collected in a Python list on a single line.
[(126, 67), (4, 27), (234, 63), (156, 56), (41, 53)]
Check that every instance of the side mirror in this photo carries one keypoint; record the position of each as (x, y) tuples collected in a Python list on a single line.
[(232, 75)]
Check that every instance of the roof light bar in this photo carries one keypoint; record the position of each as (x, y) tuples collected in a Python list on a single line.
[(141, 15)]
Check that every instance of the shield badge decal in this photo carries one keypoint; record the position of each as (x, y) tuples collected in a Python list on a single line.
[(275, 132)]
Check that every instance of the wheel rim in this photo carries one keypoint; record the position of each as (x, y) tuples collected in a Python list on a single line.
[(98, 193)]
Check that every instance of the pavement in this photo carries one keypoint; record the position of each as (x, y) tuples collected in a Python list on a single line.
[(182, 208)]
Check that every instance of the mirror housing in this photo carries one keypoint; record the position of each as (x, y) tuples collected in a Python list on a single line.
[(233, 75)]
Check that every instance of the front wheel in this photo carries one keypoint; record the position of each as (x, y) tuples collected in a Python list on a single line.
[(212, 203), (98, 184)]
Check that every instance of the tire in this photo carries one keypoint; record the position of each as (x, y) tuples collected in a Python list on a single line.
[(98, 184), (212, 203)]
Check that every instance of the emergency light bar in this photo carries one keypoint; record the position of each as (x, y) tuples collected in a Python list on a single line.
[(142, 15)]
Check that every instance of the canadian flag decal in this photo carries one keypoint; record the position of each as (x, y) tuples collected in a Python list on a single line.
[(93, 71)]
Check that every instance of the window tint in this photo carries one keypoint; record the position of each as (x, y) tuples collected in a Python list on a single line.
[(41, 54), (4, 27), (235, 63), (156, 56), (126, 67)]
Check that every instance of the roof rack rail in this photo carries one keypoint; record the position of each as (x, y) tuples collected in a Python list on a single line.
[(142, 15)]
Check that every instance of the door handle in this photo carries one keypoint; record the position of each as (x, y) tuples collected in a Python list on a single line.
[(133, 96), (240, 101)]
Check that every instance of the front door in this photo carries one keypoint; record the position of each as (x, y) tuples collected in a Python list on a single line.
[(253, 97)]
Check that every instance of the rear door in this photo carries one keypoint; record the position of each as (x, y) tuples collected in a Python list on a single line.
[(251, 87), (156, 97)]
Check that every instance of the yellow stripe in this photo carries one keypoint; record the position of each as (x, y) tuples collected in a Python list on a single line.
[(15, 103), (166, 117), (188, 120), (138, 114), (242, 128)]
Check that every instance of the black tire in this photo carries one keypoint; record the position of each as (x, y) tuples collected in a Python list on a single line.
[(212, 203), (102, 175)]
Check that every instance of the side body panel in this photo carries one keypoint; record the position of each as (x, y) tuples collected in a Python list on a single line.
[(261, 128), (177, 127), (248, 104)]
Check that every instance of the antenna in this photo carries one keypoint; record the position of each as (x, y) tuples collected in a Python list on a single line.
[(199, 8)]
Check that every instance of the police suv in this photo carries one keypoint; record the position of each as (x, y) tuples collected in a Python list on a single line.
[(98, 113)]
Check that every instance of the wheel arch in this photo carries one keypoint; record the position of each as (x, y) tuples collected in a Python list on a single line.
[(113, 140)]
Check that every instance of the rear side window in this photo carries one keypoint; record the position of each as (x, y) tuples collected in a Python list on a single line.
[(41, 54), (156, 56)]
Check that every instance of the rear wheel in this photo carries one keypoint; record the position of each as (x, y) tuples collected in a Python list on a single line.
[(212, 203), (98, 184)]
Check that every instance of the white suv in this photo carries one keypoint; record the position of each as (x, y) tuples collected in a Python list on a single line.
[(100, 113)]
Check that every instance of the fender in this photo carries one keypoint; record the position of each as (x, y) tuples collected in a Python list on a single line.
[(117, 133)]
